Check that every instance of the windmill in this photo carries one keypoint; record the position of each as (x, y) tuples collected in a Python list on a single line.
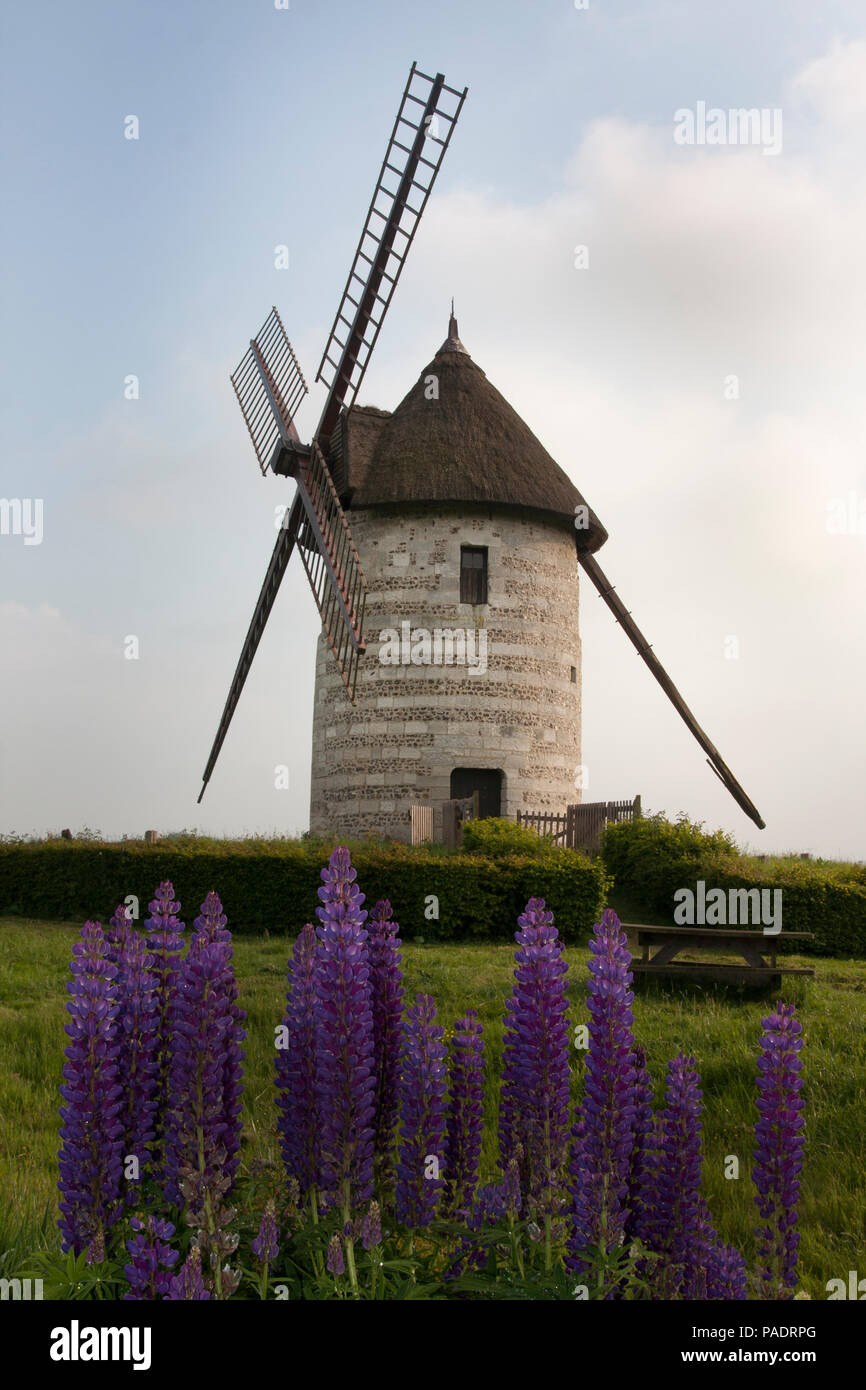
[(517, 476)]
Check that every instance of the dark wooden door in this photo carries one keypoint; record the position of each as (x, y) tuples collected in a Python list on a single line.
[(486, 781)]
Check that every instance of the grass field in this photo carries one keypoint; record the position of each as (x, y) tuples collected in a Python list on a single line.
[(720, 1029)]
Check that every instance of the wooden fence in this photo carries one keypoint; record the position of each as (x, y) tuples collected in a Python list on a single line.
[(580, 826), (421, 818)]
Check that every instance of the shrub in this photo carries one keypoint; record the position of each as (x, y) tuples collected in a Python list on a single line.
[(496, 836), (647, 854), (274, 883), (650, 859)]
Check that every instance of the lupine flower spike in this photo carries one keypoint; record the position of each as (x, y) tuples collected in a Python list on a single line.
[(674, 1214), (91, 1142), (535, 1075), (138, 1055), (164, 940), (779, 1152), (603, 1135), (465, 1116), (422, 1110), (153, 1258), (386, 984), (266, 1245), (296, 1066), (345, 1084), (188, 1285)]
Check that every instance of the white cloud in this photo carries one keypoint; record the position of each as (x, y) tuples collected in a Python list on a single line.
[(834, 85)]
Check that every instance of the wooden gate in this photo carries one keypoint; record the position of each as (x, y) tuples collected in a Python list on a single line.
[(454, 814), (581, 826), (421, 818)]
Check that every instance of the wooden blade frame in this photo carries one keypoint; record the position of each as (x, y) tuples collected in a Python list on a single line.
[(276, 569), (332, 566), (646, 653), (269, 386), (416, 149)]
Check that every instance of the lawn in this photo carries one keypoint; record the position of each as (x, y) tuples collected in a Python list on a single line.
[(720, 1029)]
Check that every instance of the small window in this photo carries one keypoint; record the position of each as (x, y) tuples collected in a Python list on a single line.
[(473, 574), (574, 675)]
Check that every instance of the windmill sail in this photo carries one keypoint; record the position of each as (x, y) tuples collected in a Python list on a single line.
[(645, 651), (332, 565), (276, 569), (269, 386), (425, 122)]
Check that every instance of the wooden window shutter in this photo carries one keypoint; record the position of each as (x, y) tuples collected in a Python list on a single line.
[(473, 574)]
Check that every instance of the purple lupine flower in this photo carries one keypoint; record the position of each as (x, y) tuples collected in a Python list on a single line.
[(345, 1083), (153, 1259), (725, 1273), (603, 1133), (494, 1202), (210, 929), (371, 1227), (296, 1066), (779, 1151), (164, 940), (266, 1245), (673, 1214), (138, 1057), (188, 1284), (535, 1069), (642, 1134), (91, 1146), (386, 984), (465, 1115), (493, 1205), (210, 925), (115, 932), (512, 1200), (96, 1250), (203, 1030), (718, 1271), (334, 1261), (422, 1112), (489, 1208)]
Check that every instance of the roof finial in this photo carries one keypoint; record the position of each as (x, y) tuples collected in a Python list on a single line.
[(452, 342)]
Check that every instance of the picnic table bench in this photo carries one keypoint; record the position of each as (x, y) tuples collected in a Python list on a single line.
[(758, 950)]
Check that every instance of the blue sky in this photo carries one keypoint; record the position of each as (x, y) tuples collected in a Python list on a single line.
[(155, 257)]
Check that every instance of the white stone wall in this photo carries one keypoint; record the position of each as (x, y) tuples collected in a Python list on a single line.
[(412, 724)]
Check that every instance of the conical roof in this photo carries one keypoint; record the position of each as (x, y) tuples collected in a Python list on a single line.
[(454, 438)]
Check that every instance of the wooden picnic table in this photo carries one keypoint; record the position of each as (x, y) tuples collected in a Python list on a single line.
[(758, 949)]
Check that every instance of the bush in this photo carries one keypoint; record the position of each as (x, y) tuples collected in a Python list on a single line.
[(651, 858), (275, 883), (496, 836), (646, 855)]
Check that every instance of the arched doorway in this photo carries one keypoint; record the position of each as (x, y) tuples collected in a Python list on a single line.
[(487, 781)]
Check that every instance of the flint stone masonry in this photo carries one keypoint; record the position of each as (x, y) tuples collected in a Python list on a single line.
[(521, 715)]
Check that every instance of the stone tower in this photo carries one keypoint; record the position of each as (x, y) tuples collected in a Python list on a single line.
[(467, 531)]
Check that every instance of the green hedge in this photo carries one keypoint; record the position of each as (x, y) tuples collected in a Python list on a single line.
[(274, 884), (651, 858)]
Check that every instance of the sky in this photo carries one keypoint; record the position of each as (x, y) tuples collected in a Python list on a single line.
[(697, 370)]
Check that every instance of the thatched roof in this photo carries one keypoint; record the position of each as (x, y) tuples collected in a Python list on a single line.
[(465, 444)]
